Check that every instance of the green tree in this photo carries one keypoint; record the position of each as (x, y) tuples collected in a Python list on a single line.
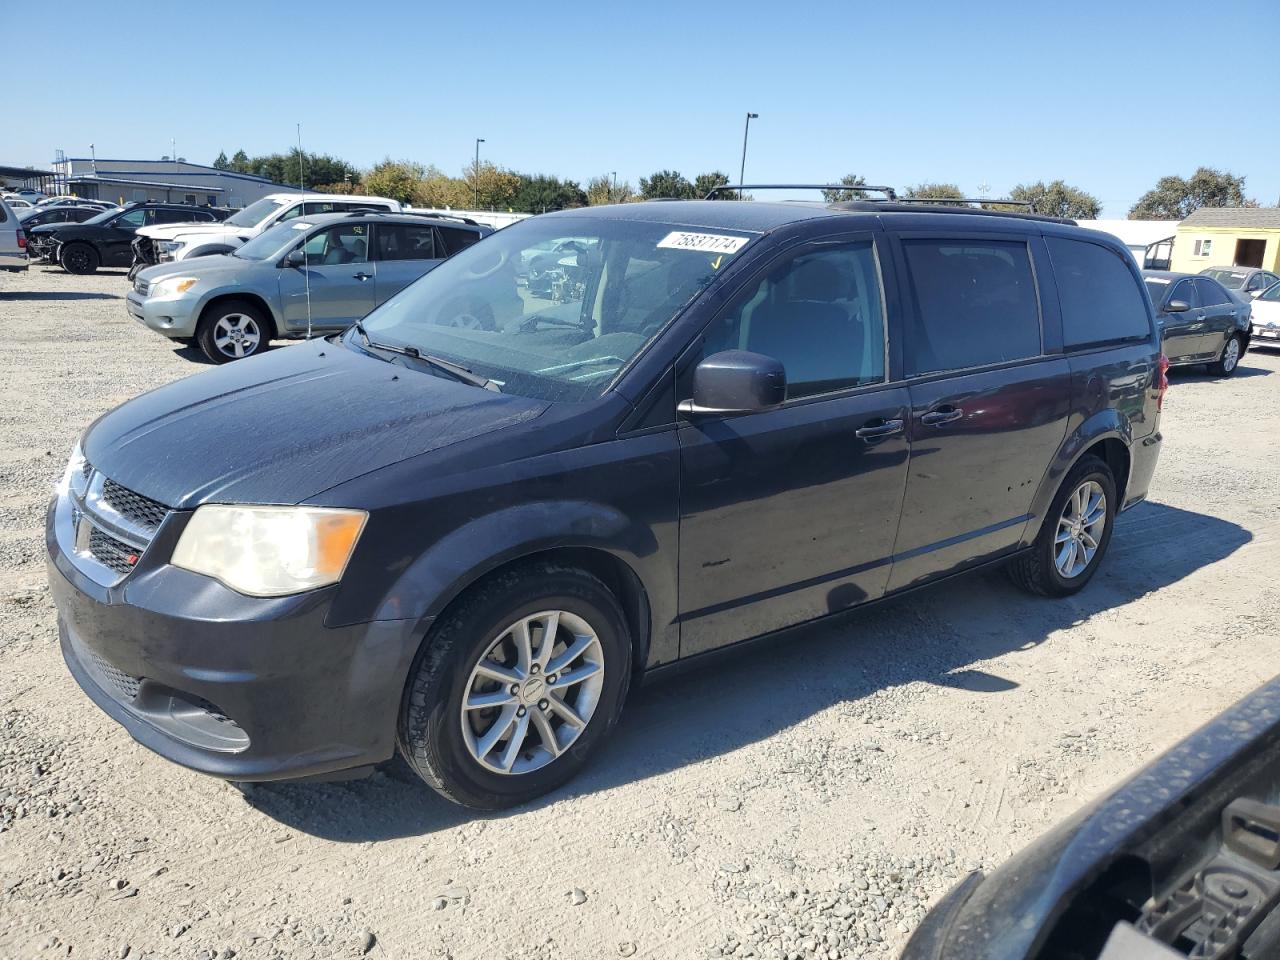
[(395, 179), (314, 168), (933, 191), (604, 190), (1174, 198), (1057, 199), (496, 187), (240, 162), (221, 162), (541, 193), (666, 184), (844, 196), (703, 184), (440, 190)]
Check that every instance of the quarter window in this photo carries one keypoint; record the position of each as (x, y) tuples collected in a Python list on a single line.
[(1101, 301), (976, 304), (819, 313)]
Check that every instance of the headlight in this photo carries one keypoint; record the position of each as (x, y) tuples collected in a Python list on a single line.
[(172, 286), (73, 478), (168, 246), (269, 551)]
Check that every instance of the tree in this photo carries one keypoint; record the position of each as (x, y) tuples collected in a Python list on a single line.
[(315, 168), (1176, 199), (667, 184), (703, 184), (240, 162), (1056, 199), (844, 196), (496, 187), (395, 179), (934, 191), (221, 162), (604, 190), (541, 193), (440, 190)]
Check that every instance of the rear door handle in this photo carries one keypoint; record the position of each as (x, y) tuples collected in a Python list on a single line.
[(363, 276), (936, 418), (874, 430)]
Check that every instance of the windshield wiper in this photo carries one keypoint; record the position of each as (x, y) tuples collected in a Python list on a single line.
[(456, 370)]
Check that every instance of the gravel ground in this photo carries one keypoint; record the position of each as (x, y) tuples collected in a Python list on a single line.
[(809, 799)]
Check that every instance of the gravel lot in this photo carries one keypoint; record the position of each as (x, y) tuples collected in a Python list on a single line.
[(809, 799)]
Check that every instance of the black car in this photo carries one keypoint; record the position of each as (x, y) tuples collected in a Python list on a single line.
[(1200, 320), (466, 525), (60, 214), (106, 240)]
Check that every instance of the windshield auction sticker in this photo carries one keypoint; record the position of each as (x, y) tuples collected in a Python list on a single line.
[(702, 242)]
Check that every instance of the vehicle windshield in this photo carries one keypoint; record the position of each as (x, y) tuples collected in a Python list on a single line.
[(255, 213), (270, 242), (1271, 293), (552, 308), (1156, 287), (1231, 279)]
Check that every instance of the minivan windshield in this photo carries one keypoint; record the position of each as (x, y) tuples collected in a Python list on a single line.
[(552, 308), (256, 212)]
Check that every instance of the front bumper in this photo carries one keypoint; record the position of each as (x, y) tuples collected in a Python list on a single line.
[(1265, 336), (237, 687), (173, 318)]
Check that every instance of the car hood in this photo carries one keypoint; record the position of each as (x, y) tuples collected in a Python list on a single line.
[(196, 267), (286, 426), (168, 231)]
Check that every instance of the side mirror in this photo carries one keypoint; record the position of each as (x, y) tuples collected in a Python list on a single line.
[(1177, 306), (736, 381), (295, 258)]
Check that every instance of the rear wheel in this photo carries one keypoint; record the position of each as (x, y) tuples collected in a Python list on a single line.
[(78, 258), (515, 689), (1229, 359), (1074, 535), (233, 330)]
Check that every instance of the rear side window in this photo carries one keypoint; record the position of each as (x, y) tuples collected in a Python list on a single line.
[(1211, 294), (976, 302), (456, 239), (1101, 301), (403, 241)]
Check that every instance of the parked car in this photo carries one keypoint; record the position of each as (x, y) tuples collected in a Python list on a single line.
[(1200, 320), (17, 203), (319, 275), (466, 525), (1244, 282), (163, 243), (13, 241), (39, 216), (1180, 861), (1266, 317), (105, 240), (29, 195), (77, 201)]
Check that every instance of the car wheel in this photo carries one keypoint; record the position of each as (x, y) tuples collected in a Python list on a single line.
[(1074, 535), (1229, 359), (78, 258), (516, 687), (233, 330)]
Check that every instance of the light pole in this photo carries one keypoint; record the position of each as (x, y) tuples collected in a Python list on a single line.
[(475, 171), (742, 171), (613, 185)]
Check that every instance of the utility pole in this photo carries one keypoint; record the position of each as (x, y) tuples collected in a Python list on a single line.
[(742, 171), (475, 172), (613, 185)]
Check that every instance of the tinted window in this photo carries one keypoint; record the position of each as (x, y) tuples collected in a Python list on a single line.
[(819, 314), (1100, 299), (1211, 294), (456, 239), (405, 241), (177, 216), (976, 301), (313, 207), (1186, 291)]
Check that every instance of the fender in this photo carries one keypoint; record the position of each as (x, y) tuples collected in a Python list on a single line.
[(236, 291), (1105, 424)]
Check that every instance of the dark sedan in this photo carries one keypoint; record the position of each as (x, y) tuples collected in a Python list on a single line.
[(106, 240), (60, 214), (1200, 320)]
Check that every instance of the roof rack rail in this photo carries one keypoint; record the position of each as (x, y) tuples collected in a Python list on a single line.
[(1004, 203), (365, 211), (924, 205), (843, 187)]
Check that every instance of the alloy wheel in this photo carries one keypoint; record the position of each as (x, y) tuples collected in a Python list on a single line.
[(1080, 529), (533, 692), (1230, 355), (236, 335)]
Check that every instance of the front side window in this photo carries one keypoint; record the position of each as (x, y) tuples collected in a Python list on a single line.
[(553, 307), (134, 218), (1186, 292), (976, 304), (405, 241), (820, 314), (345, 243), (1101, 301)]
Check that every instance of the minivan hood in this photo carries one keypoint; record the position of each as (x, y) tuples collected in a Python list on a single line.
[(284, 427)]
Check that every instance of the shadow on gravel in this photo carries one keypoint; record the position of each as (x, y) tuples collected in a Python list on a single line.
[(934, 636), (1200, 375), (17, 295)]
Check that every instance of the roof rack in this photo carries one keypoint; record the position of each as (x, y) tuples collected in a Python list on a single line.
[(843, 187), (365, 211), (924, 205), (1003, 203)]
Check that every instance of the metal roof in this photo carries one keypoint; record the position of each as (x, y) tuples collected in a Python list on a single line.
[(190, 187), (1240, 218)]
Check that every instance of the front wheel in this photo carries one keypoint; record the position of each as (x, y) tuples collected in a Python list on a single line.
[(78, 258), (233, 330), (1074, 535), (1229, 359), (516, 688)]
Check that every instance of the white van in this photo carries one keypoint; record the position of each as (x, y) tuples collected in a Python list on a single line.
[(13, 241)]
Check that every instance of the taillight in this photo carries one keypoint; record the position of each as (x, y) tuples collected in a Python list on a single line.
[(22, 239), (1162, 380)]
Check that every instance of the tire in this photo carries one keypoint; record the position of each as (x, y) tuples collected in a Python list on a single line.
[(1229, 360), (79, 258), (1038, 570), (445, 750), (232, 330)]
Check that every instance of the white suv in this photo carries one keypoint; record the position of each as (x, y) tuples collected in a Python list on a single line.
[(181, 241)]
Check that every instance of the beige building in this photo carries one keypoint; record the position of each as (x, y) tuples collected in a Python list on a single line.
[(1230, 237)]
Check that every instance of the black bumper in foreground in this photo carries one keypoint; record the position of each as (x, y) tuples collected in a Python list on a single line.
[(234, 686), (1181, 861)]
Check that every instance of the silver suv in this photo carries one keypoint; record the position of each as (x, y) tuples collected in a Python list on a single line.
[(13, 241), (310, 275)]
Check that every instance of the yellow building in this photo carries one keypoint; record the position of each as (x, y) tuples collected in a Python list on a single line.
[(1228, 237)]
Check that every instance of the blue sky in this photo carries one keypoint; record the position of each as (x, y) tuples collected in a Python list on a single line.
[(995, 93)]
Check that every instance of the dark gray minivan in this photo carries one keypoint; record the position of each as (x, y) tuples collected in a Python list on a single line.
[(465, 526)]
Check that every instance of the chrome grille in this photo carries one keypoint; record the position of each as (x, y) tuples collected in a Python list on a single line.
[(143, 287), (111, 553), (125, 684), (134, 506)]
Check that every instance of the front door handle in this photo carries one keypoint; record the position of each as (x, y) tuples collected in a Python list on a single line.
[(876, 430), (936, 418), (362, 276)]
